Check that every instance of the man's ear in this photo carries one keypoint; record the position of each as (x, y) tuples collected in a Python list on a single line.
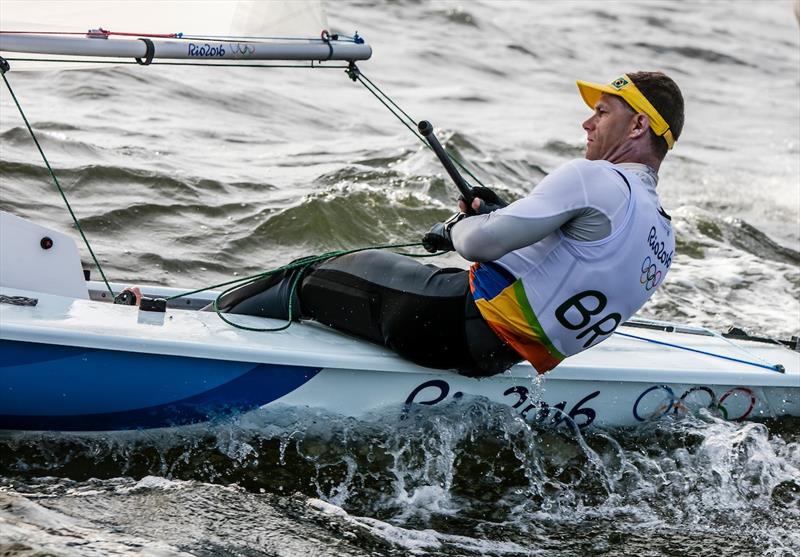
[(640, 125)]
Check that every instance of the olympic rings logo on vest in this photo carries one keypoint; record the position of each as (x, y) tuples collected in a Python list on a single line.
[(651, 276)]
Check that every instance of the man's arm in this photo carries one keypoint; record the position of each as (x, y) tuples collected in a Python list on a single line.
[(563, 200), (489, 237)]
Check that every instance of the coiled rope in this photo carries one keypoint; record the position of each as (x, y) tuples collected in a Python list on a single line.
[(301, 265)]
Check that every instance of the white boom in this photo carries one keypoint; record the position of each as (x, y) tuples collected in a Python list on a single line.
[(185, 49)]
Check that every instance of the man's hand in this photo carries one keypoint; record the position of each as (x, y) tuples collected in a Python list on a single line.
[(486, 201), (438, 237), (131, 296)]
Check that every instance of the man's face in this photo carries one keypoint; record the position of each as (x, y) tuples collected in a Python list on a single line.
[(608, 128)]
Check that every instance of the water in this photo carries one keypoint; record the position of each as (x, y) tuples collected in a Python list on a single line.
[(469, 480), (191, 176)]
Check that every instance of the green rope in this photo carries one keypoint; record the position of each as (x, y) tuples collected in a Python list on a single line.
[(302, 264), (55, 180), (394, 104)]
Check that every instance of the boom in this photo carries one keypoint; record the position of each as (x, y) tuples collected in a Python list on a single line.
[(184, 49)]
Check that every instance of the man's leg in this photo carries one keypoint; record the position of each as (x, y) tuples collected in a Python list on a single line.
[(267, 297), (416, 310), (422, 312)]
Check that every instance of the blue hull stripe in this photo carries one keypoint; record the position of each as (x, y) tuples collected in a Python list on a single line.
[(15, 354), (178, 390)]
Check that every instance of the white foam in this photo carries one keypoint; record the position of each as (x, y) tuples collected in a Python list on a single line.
[(415, 541), (39, 530), (152, 482)]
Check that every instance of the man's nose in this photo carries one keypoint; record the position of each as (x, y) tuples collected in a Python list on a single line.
[(588, 124)]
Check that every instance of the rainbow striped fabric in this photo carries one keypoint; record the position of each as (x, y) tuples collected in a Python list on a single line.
[(503, 303)]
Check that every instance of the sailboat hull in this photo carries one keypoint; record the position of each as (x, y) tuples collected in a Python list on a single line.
[(84, 365)]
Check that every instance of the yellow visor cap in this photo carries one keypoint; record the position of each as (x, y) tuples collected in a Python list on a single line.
[(625, 88)]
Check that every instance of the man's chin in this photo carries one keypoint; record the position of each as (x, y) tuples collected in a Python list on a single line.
[(591, 155)]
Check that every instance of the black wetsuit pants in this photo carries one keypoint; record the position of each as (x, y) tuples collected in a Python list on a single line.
[(424, 313)]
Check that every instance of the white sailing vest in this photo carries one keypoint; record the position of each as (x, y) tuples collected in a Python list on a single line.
[(559, 296)]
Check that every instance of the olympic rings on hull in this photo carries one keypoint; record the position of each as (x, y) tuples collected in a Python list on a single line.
[(666, 408), (744, 390), (680, 405)]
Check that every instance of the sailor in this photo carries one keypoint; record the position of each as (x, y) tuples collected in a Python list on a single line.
[(554, 273)]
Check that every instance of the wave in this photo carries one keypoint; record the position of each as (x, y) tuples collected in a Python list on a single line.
[(695, 53), (522, 50), (50, 136), (345, 217), (472, 467), (459, 16), (700, 231), (118, 184), (728, 273)]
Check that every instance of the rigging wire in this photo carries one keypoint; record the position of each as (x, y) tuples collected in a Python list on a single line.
[(356, 74), (771, 367), (302, 264), (95, 33), (353, 72), (732, 344), (101, 33), (4, 67)]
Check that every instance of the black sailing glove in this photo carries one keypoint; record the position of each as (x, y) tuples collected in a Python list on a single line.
[(438, 237), (491, 201)]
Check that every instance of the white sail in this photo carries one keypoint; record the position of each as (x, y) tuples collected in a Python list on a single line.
[(305, 18), (301, 18)]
